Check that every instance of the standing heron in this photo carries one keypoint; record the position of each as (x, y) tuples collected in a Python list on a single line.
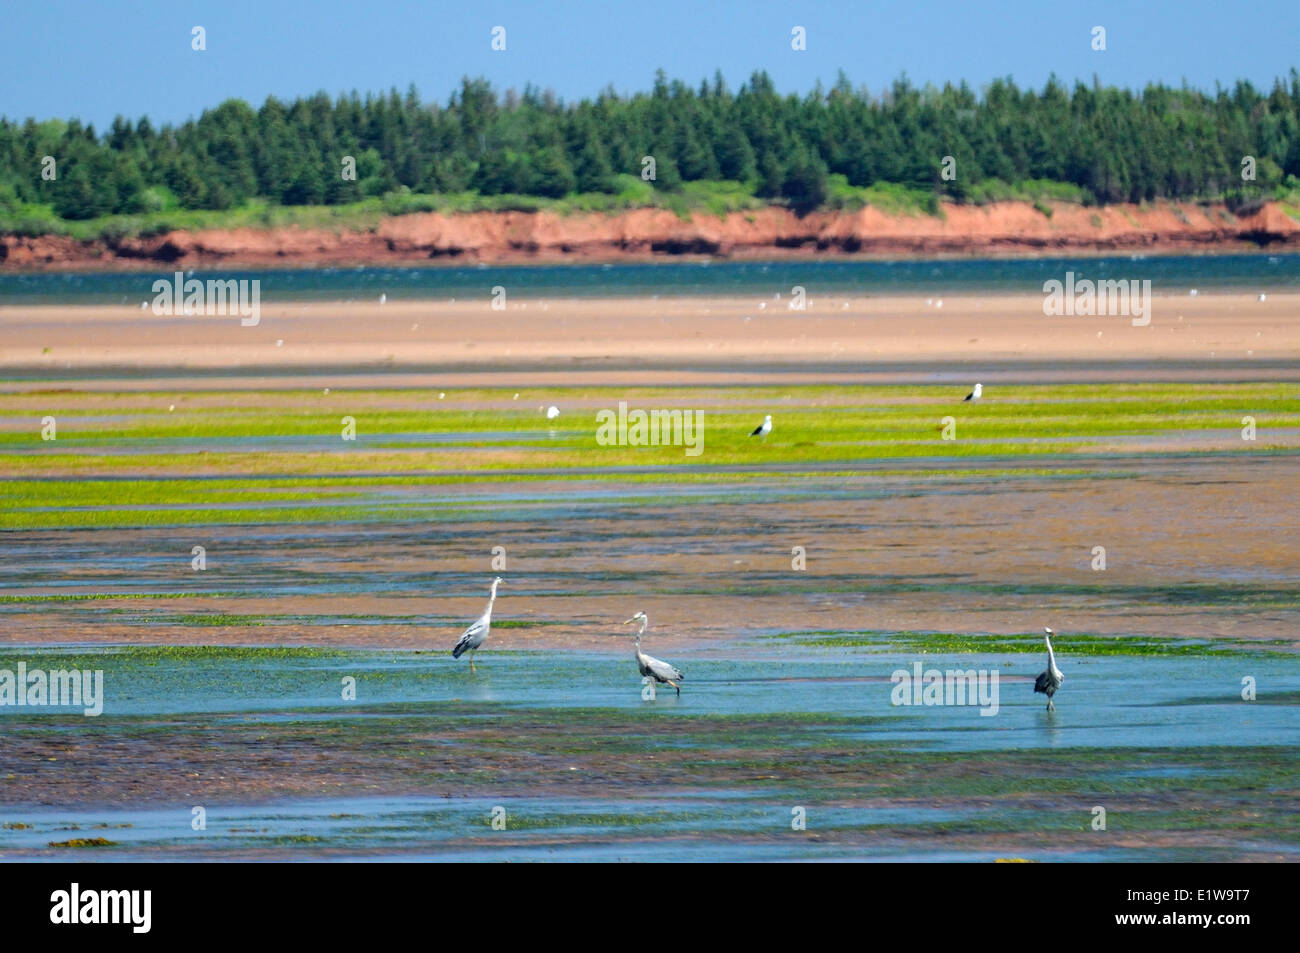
[(763, 429), (975, 394), (1048, 682), (650, 666), (477, 633)]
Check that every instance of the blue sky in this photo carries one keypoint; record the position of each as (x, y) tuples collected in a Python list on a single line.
[(97, 58)]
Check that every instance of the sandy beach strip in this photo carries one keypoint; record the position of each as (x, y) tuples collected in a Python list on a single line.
[(668, 341)]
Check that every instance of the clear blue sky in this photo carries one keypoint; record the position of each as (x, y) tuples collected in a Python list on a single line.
[(96, 58)]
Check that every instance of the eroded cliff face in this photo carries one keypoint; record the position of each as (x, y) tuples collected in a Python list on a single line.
[(1011, 227)]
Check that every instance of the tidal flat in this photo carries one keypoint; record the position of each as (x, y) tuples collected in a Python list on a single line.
[(235, 568), (576, 762)]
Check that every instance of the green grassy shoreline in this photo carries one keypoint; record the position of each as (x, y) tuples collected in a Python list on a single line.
[(715, 198)]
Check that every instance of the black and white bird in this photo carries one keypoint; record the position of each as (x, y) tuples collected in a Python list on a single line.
[(1048, 682), (477, 633), (763, 429), (976, 394), (651, 667)]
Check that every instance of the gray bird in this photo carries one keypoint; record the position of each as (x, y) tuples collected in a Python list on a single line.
[(1048, 682), (477, 633), (651, 667)]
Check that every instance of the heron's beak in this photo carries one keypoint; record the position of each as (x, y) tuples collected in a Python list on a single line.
[(626, 621)]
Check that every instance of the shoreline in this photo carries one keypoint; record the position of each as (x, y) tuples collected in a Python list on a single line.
[(672, 340), (999, 230), (757, 255)]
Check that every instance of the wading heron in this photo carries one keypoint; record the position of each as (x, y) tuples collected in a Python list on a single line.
[(477, 633), (1048, 682), (650, 666)]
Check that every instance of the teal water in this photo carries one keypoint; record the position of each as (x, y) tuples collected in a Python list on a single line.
[(694, 826), (1167, 273), (1109, 701), (1156, 740)]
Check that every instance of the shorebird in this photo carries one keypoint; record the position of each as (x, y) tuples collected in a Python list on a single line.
[(976, 394), (763, 429), (1049, 681), (650, 666), (477, 633)]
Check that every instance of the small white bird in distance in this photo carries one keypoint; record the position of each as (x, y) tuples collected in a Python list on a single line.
[(763, 429), (976, 394), (651, 667), (552, 412)]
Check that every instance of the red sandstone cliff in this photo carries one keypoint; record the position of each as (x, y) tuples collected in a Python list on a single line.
[(1011, 227)]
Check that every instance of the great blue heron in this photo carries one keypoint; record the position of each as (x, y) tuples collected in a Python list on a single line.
[(763, 429), (650, 666), (1050, 680), (477, 633), (976, 394)]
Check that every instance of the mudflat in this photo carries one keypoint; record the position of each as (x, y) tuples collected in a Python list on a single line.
[(665, 341), (1132, 487)]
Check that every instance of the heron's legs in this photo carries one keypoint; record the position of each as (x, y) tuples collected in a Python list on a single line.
[(1050, 705), (471, 659)]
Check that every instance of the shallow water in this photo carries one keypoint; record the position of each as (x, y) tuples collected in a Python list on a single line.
[(410, 829), (828, 696), (946, 276), (786, 702), (1107, 701)]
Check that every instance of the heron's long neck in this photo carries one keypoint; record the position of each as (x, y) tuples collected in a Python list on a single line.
[(1051, 656), (492, 597)]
